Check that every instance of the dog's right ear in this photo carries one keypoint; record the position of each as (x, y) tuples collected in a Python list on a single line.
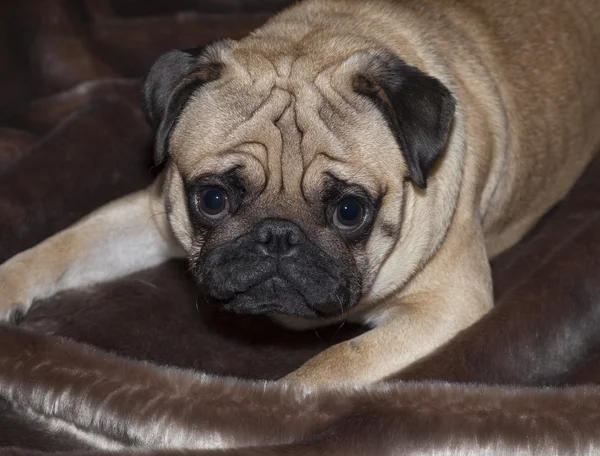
[(173, 78)]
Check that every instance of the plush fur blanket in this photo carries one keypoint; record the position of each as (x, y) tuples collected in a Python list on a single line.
[(73, 137)]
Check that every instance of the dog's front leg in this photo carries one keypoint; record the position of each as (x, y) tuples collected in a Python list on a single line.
[(451, 293), (408, 332), (124, 236)]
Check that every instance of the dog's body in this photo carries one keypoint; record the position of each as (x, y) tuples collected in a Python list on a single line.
[(446, 128)]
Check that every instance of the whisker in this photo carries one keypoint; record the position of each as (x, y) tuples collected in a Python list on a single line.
[(145, 282), (155, 214), (343, 314), (382, 300), (339, 327)]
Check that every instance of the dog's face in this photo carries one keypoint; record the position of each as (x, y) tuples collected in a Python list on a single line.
[(288, 167)]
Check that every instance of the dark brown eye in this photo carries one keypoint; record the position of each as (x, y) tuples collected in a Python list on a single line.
[(349, 213), (213, 201)]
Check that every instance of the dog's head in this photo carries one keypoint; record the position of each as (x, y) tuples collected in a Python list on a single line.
[(288, 168)]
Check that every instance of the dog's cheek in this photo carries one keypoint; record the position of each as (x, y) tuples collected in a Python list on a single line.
[(211, 246), (359, 269), (371, 255), (177, 211), (350, 259)]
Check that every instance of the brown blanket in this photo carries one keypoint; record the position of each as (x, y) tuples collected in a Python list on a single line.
[(73, 137)]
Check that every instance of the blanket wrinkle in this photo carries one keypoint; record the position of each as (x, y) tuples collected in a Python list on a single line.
[(73, 137)]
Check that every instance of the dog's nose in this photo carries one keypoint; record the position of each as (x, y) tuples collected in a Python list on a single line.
[(278, 237)]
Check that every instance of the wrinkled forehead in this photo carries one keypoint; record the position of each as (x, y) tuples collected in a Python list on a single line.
[(279, 111)]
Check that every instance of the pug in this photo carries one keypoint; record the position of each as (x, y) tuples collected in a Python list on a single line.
[(350, 160)]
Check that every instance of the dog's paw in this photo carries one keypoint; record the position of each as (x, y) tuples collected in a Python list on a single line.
[(15, 296), (13, 315), (12, 310)]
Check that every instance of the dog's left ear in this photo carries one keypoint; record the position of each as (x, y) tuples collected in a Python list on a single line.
[(168, 86), (417, 107)]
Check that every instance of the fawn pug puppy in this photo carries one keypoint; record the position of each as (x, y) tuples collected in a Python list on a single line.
[(351, 159)]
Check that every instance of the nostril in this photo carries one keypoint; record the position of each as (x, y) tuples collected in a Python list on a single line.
[(265, 236), (289, 251), (294, 237)]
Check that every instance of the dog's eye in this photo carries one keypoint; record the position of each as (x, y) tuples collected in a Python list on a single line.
[(213, 201), (348, 214)]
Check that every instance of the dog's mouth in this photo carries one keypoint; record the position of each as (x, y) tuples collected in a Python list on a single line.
[(305, 282), (274, 296), (277, 294)]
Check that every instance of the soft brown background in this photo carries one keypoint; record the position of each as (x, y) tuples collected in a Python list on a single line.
[(72, 136)]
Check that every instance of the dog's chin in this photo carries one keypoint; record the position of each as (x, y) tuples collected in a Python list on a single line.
[(274, 296)]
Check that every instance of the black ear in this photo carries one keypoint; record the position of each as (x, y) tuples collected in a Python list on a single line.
[(418, 108), (168, 87)]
